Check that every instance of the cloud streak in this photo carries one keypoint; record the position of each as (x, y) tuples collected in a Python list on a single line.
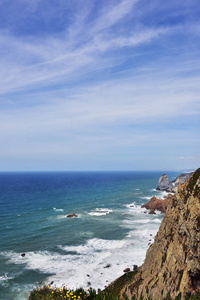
[(109, 81)]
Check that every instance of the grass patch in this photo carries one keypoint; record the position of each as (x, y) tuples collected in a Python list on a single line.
[(193, 181), (51, 293)]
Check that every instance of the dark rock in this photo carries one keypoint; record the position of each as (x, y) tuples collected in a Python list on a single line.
[(23, 254), (72, 216), (135, 267), (52, 282), (126, 270), (88, 275), (99, 291), (107, 266), (89, 283)]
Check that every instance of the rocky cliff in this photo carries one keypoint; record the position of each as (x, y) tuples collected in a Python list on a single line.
[(172, 264), (164, 184)]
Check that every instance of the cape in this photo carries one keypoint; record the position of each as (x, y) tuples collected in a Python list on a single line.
[(171, 269)]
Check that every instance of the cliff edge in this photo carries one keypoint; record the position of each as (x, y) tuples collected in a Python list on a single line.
[(172, 264)]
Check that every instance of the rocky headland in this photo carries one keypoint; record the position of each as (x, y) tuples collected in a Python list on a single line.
[(171, 269), (169, 186), (164, 184)]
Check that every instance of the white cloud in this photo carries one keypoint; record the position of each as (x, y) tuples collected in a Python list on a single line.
[(140, 82), (111, 15)]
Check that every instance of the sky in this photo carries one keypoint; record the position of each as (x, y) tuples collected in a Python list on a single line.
[(99, 85)]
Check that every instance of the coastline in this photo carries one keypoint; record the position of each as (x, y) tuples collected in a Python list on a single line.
[(119, 236)]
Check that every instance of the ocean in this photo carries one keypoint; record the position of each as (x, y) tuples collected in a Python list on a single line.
[(112, 232)]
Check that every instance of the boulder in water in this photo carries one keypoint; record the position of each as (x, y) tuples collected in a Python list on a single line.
[(72, 216)]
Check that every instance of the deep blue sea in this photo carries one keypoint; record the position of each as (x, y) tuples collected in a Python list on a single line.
[(111, 228)]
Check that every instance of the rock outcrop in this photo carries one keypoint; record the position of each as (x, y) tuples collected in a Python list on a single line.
[(158, 204), (164, 184), (72, 216), (172, 264)]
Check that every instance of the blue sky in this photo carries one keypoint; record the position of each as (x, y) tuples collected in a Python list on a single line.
[(99, 85)]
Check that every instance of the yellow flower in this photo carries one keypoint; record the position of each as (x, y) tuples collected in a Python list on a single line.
[(79, 297)]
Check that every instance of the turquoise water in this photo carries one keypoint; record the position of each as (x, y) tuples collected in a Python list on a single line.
[(111, 228)]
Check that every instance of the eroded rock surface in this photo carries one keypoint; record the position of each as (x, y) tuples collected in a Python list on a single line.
[(164, 184), (158, 204), (172, 263)]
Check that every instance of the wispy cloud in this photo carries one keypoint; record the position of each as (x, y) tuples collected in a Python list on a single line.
[(117, 78)]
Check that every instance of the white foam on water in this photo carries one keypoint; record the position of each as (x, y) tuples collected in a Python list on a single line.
[(5, 277), (158, 212), (104, 209), (97, 262), (95, 245), (135, 209), (157, 221), (138, 221), (61, 217), (100, 212), (137, 189), (146, 197), (162, 194), (58, 209)]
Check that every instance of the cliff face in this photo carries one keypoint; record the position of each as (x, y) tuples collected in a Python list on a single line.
[(171, 186), (172, 264)]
